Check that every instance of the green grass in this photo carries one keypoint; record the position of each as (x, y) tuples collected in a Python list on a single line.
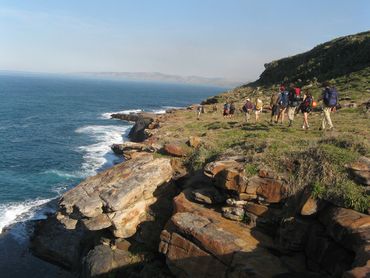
[(346, 194), (305, 157)]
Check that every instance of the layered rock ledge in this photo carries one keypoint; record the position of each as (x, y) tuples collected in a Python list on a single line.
[(150, 217)]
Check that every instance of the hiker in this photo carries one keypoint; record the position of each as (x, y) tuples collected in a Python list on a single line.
[(330, 101), (226, 109), (247, 108), (283, 103), (258, 108), (293, 103), (274, 105), (200, 110), (306, 108), (232, 109)]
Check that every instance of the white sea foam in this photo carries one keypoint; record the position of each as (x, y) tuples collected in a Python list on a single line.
[(108, 114), (100, 154), (13, 212), (64, 174)]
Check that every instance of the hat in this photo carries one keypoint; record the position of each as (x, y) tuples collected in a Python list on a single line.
[(248, 99)]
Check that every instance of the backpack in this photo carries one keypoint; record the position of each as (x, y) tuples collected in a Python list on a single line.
[(247, 107), (293, 98), (307, 102), (283, 99), (259, 104), (330, 97)]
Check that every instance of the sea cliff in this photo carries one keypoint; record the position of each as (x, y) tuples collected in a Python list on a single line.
[(154, 215), (222, 197)]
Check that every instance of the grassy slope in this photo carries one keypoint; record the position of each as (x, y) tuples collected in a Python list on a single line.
[(312, 158)]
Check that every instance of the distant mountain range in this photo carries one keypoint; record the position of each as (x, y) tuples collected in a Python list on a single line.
[(157, 76)]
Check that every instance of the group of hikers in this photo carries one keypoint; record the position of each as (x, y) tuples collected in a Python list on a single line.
[(291, 100)]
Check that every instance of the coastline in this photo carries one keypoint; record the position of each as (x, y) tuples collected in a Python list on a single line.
[(152, 202)]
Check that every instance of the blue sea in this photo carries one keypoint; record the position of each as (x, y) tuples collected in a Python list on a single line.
[(56, 130)]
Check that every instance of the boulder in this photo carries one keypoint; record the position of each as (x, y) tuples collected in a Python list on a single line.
[(231, 179), (125, 191), (310, 206), (360, 170), (52, 242), (347, 227), (213, 168), (102, 261), (131, 146), (233, 213), (208, 195), (270, 190), (175, 149), (137, 132)]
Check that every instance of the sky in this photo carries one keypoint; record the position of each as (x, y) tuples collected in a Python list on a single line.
[(211, 38)]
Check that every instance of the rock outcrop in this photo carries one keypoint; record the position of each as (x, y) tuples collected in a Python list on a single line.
[(117, 201), (360, 171)]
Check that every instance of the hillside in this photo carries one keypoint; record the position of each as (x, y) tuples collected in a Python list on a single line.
[(330, 60)]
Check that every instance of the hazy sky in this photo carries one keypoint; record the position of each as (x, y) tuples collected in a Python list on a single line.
[(226, 38)]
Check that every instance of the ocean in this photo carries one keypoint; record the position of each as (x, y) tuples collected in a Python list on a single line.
[(56, 130)]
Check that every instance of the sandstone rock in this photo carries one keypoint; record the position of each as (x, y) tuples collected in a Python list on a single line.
[(231, 179), (219, 242), (347, 227), (208, 195), (179, 169), (213, 168), (247, 196), (197, 238), (233, 213), (133, 117), (54, 243), (125, 221), (236, 203), (125, 191), (131, 146), (185, 259), (68, 223), (271, 190), (310, 207), (360, 170), (256, 209), (175, 150), (194, 141), (103, 261), (358, 272), (99, 222), (137, 132), (266, 173), (122, 244)]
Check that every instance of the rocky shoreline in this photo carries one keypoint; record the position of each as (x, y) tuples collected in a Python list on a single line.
[(151, 217)]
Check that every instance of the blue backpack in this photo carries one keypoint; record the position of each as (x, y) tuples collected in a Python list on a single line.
[(283, 99), (330, 97)]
